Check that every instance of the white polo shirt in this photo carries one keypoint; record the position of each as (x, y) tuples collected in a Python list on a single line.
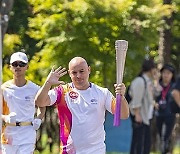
[(82, 116), (21, 101)]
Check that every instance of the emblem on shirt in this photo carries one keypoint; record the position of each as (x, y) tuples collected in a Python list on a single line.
[(73, 95), (28, 98), (93, 101)]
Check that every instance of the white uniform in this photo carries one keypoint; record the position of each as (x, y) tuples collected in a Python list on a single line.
[(21, 101), (82, 116)]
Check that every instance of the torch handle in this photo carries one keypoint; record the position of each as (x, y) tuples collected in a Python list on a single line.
[(117, 113)]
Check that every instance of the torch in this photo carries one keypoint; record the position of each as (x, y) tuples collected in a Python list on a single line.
[(121, 47)]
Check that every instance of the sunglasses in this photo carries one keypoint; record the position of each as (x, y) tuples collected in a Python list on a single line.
[(20, 64)]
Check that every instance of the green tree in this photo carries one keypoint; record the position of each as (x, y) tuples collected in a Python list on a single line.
[(89, 28), (54, 31)]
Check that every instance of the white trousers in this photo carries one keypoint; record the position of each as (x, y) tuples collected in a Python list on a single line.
[(18, 149)]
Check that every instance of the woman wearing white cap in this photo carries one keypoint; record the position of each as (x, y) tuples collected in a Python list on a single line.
[(19, 128)]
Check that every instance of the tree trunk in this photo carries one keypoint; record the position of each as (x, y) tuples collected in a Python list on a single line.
[(167, 36), (5, 8)]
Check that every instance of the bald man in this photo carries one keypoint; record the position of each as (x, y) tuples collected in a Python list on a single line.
[(81, 108)]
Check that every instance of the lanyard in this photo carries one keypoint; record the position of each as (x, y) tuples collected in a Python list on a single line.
[(164, 92)]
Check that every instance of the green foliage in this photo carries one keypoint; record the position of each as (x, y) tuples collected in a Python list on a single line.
[(7, 74), (89, 29), (10, 42), (176, 36), (18, 25)]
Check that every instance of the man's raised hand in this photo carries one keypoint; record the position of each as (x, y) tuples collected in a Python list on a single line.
[(55, 74)]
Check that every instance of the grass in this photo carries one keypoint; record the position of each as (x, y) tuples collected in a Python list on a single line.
[(55, 151), (56, 148)]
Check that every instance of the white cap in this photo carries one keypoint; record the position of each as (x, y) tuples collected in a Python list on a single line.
[(18, 56)]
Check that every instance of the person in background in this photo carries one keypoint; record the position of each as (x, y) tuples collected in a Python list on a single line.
[(141, 107), (164, 116), (81, 108), (19, 125), (176, 92)]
